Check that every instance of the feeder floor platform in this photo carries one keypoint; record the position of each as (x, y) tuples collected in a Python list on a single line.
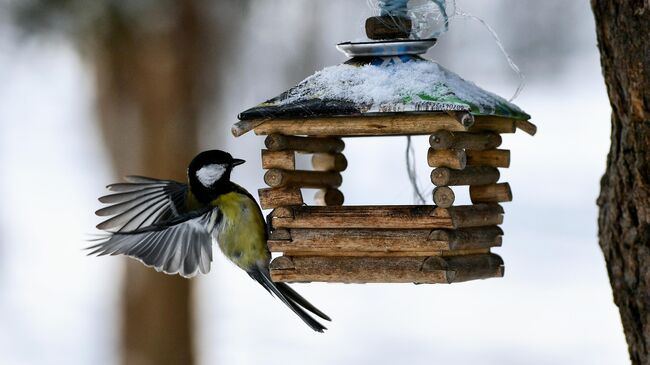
[(419, 270)]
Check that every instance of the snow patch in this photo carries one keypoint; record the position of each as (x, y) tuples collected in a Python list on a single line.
[(386, 87)]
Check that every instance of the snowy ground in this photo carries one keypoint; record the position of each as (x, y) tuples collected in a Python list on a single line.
[(553, 306)]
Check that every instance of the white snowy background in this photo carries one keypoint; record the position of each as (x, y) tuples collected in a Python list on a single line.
[(554, 306)]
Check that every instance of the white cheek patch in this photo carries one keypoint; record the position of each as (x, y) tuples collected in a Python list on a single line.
[(208, 174)]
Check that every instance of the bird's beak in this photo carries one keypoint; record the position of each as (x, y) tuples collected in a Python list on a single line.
[(237, 162)]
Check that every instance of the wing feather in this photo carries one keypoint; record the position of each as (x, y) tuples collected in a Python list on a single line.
[(141, 202), (118, 223), (191, 261), (126, 206), (137, 179), (151, 255), (126, 196), (167, 248), (176, 252), (146, 222), (184, 248), (129, 187), (145, 218), (145, 248)]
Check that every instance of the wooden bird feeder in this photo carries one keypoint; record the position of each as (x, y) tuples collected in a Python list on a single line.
[(385, 90)]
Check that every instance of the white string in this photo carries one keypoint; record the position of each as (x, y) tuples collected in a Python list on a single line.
[(497, 40), (415, 12), (418, 197), (443, 6)]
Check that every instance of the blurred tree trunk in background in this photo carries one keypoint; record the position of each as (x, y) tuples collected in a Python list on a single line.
[(148, 75), (157, 64), (623, 29)]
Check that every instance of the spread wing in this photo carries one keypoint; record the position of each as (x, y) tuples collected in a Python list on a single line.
[(146, 225), (141, 202), (180, 246)]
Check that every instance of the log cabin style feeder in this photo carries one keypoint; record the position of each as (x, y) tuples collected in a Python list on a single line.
[(385, 89)]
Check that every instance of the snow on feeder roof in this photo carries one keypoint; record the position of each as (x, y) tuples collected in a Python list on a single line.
[(378, 85)]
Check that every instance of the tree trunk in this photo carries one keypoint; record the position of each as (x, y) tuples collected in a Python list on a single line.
[(148, 98), (623, 29)]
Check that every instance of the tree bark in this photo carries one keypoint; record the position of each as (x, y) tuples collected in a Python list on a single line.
[(623, 29), (148, 99)]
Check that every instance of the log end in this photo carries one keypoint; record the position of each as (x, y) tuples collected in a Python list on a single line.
[(280, 235), (274, 178), (282, 263), (441, 235), (441, 140), (441, 176), (464, 118), (443, 196), (455, 159), (274, 142), (281, 212), (526, 126), (244, 126)]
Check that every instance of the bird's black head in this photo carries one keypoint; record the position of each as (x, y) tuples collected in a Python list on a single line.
[(209, 174)]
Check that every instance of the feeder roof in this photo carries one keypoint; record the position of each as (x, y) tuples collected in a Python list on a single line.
[(381, 85)]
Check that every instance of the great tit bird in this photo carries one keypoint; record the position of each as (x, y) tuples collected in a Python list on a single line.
[(170, 226)]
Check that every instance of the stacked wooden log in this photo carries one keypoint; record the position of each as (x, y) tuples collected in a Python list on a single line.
[(285, 181), (472, 159), (389, 244), (439, 243)]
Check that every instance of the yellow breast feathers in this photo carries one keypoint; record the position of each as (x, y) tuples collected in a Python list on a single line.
[(241, 232)]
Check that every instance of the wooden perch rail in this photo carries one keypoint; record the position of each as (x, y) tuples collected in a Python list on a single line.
[(285, 160), (387, 217), (431, 270), (279, 197), (279, 142), (276, 178), (444, 140), (470, 175), (367, 242), (454, 159)]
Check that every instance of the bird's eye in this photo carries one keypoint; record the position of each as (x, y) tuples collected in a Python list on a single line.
[(208, 174)]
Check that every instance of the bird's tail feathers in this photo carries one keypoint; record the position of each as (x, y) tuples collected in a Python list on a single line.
[(292, 299), (292, 295)]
